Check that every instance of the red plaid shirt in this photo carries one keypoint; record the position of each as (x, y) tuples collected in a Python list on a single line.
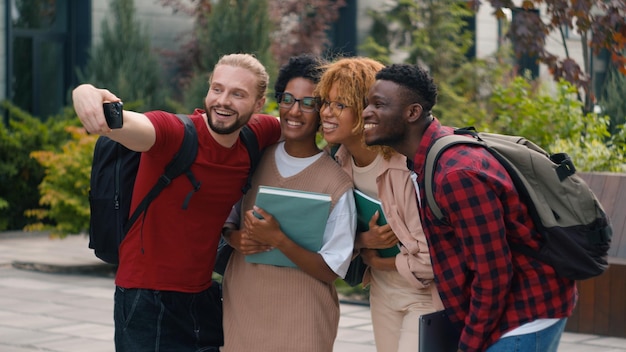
[(487, 289)]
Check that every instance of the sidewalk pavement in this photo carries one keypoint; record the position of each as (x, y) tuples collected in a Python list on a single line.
[(56, 296)]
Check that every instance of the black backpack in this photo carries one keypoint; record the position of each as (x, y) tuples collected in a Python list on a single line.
[(576, 232), (113, 173)]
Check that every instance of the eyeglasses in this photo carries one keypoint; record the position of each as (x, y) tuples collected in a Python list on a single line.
[(306, 104), (336, 108)]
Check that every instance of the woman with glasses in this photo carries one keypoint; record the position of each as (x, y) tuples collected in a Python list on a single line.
[(279, 308), (399, 272)]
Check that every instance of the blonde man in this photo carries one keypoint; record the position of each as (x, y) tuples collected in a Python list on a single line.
[(165, 299)]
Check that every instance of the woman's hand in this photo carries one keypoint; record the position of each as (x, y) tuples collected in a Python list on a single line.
[(240, 240), (265, 230), (378, 237)]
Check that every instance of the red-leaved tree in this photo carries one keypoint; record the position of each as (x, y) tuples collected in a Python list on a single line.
[(600, 23), (301, 26)]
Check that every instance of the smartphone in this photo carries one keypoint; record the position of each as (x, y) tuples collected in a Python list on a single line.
[(113, 114)]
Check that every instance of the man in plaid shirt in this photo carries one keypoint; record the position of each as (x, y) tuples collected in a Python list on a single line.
[(501, 300)]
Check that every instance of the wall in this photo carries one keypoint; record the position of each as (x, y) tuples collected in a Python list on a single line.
[(167, 29)]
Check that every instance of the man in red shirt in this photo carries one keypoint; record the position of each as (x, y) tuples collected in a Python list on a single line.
[(501, 300), (164, 300)]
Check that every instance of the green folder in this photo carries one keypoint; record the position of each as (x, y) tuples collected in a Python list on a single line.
[(366, 206), (302, 216)]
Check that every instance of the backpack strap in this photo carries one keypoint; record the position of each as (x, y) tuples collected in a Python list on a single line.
[(333, 150), (430, 164), (180, 164), (252, 145)]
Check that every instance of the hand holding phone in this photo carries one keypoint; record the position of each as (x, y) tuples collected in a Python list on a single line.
[(113, 114)]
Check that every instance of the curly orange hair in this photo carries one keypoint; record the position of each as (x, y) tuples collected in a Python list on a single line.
[(352, 77)]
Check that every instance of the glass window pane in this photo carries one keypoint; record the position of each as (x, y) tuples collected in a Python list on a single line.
[(22, 75), (33, 14), (52, 70)]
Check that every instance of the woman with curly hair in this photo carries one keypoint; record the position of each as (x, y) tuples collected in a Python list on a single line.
[(400, 275)]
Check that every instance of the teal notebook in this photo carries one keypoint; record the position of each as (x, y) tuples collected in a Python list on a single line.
[(302, 217), (366, 206)]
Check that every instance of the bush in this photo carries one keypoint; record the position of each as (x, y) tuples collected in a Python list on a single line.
[(62, 205), (65, 186), (20, 175), (555, 121)]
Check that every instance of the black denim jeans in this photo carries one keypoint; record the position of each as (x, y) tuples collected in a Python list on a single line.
[(164, 321)]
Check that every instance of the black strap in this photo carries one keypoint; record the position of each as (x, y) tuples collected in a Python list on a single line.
[(180, 164), (252, 145), (565, 166), (334, 149)]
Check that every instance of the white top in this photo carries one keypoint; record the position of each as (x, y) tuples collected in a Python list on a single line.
[(341, 226)]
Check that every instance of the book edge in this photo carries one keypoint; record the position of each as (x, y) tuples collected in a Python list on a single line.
[(293, 193)]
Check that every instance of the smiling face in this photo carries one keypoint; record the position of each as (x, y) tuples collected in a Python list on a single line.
[(297, 125), (338, 124), (232, 98), (386, 115)]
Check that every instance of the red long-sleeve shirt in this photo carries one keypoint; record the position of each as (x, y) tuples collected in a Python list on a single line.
[(486, 288)]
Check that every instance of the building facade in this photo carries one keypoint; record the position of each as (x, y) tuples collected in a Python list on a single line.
[(44, 41)]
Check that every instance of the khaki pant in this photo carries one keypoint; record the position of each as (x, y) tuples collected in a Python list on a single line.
[(395, 307)]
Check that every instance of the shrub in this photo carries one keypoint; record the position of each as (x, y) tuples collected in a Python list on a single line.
[(65, 186), (554, 119), (20, 174)]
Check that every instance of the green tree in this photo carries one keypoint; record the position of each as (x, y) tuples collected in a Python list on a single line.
[(124, 62), (612, 100), (298, 26), (485, 93), (433, 34), (231, 26)]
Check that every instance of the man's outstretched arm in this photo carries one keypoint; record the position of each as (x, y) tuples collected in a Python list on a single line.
[(137, 132)]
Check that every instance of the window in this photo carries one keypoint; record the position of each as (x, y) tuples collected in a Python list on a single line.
[(48, 39)]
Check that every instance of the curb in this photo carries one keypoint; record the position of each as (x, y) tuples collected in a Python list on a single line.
[(23, 234), (107, 270)]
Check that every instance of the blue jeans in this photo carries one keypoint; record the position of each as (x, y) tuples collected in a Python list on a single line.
[(163, 321), (546, 340)]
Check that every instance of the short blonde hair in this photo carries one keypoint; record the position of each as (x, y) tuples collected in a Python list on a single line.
[(250, 63), (353, 77)]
